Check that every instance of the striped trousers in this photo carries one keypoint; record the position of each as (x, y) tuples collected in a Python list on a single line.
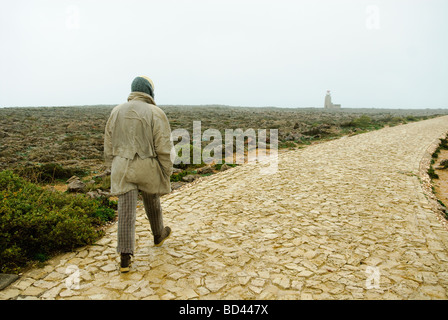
[(127, 206)]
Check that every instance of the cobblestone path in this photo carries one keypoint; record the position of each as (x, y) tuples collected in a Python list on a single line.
[(345, 219)]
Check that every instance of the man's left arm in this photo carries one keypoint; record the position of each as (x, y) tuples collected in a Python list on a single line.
[(162, 142)]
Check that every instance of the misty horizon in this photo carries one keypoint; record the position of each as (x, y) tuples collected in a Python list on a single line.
[(286, 54)]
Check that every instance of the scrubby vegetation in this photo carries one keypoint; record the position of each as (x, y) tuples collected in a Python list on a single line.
[(36, 223), (73, 136), (48, 172), (437, 173), (443, 145)]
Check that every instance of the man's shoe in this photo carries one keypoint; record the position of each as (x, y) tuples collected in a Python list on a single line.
[(125, 262), (158, 240)]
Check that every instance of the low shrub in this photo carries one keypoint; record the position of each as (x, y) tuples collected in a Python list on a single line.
[(411, 118), (48, 172), (102, 183), (286, 144), (444, 144), (175, 177), (36, 223), (362, 122), (432, 174)]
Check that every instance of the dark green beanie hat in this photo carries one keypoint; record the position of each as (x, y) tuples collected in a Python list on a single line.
[(143, 84)]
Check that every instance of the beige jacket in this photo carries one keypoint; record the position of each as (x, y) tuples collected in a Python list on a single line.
[(137, 146)]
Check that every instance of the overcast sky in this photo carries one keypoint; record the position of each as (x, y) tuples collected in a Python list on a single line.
[(383, 54)]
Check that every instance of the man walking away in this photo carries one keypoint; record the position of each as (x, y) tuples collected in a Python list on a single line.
[(137, 146)]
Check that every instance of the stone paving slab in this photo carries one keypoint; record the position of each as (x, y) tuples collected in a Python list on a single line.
[(345, 219)]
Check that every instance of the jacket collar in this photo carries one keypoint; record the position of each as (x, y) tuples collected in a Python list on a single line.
[(141, 96)]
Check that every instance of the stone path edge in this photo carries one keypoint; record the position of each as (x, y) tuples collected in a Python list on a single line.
[(426, 182)]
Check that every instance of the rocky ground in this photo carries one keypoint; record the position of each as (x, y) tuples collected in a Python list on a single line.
[(73, 136)]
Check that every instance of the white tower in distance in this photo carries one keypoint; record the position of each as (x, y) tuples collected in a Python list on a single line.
[(328, 104)]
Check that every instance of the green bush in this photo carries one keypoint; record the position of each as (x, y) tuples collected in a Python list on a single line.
[(435, 155), (102, 183), (286, 144), (104, 214), (411, 118), (363, 121), (36, 223), (432, 174), (444, 144), (48, 172), (175, 177)]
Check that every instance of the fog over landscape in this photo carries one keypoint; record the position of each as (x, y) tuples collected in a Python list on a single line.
[(370, 54), (298, 151)]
